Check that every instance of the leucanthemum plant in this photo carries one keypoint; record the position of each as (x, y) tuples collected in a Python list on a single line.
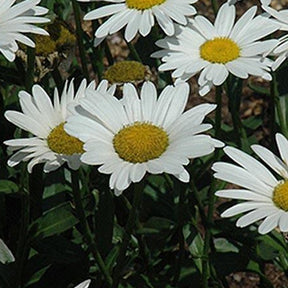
[(132, 136), (266, 197), (51, 144), (16, 20), (281, 51), (139, 16), (219, 49)]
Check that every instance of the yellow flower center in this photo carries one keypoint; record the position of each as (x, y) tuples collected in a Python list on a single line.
[(60, 39), (143, 4), (140, 142), (62, 143), (125, 71), (280, 195), (219, 50)]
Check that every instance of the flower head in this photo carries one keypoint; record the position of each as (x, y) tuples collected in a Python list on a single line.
[(132, 136), (17, 19), (126, 71), (266, 197), (219, 49), (139, 16), (51, 144), (281, 49)]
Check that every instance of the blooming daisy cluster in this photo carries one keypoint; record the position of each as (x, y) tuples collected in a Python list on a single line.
[(144, 130)]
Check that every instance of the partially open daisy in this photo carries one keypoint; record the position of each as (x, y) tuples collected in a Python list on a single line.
[(51, 144), (219, 49), (139, 15), (127, 72), (281, 51), (266, 197), (17, 19), (132, 136)]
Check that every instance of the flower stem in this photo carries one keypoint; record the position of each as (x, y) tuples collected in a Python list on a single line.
[(134, 52), (211, 198), (79, 33), (87, 234), (276, 101), (29, 78), (233, 87), (130, 225), (181, 221), (215, 6)]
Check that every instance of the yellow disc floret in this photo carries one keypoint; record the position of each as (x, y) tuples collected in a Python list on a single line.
[(143, 4), (59, 37), (280, 195), (125, 71), (219, 50), (62, 143), (140, 142)]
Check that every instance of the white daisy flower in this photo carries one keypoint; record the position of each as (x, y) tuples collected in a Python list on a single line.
[(84, 284), (132, 136), (139, 16), (17, 19), (219, 49), (51, 144), (266, 196), (281, 50)]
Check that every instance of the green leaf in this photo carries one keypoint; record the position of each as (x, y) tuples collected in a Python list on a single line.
[(252, 122), (258, 89), (55, 221), (223, 245), (8, 187), (195, 244)]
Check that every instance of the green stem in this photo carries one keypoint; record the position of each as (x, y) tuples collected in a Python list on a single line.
[(181, 219), (194, 197), (79, 34), (215, 6), (143, 249), (211, 197), (29, 79), (57, 79), (108, 54), (130, 225), (277, 105), (88, 237), (233, 87), (134, 52), (239, 129), (22, 248)]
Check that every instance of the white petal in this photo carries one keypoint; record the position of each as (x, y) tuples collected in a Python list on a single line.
[(271, 159), (252, 165), (269, 223), (282, 144)]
